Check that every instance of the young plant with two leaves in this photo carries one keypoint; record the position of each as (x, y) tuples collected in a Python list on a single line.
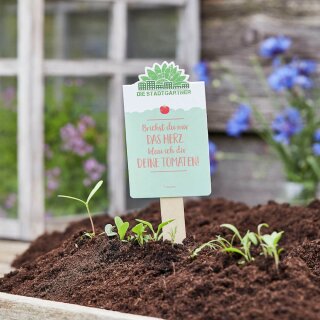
[(91, 234), (268, 243)]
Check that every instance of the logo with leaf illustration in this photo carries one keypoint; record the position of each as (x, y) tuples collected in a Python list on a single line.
[(164, 76)]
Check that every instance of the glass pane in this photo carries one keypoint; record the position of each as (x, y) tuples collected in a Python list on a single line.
[(8, 27), (152, 33), (75, 143), (76, 30), (8, 148)]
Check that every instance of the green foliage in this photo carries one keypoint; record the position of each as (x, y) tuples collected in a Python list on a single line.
[(122, 227), (245, 242), (63, 107), (173, 234), (66, 103), (156, 235), (109, 230), (270, 243), (139, 232), (267, 243), (86, 204), (8, 158), (140, 236)]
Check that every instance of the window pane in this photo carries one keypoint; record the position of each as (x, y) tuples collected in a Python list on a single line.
[(8, 148), (75, 143), (76, 30), (152, 33), (8, 27)]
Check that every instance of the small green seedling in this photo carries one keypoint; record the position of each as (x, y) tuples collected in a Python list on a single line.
[(122, 228), (108, 229), (86, 203), (246, 242), (139, 231), (270, 243), (215, 244), (173, 234), (259, 237), (156, 236), (224, 245)]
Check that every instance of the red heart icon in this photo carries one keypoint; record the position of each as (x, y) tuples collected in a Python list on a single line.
[(164, 109)]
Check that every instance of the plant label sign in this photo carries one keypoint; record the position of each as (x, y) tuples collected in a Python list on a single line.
[(167, 136)]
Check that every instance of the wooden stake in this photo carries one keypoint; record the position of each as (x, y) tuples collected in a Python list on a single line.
[(173, 208)]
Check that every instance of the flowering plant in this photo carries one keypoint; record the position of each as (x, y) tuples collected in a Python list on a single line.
[(75, 146), (294, 133)]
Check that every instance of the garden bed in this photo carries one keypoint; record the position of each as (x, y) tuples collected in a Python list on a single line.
[(161, 280)]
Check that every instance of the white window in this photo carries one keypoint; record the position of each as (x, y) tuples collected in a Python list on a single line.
[(105, 42)]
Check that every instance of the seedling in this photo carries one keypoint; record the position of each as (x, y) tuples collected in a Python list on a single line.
[(122, 228), (259, 236), (156, 236), (215, 244), (172, 234), (246, 242), (86, 204), (270, 243), (139, 230)]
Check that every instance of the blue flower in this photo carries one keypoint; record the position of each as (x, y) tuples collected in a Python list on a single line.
[(212, 157), (273, 46), (202, 71), (287, 124), (296, 73), (316, 135), (239, 122), (304, 67), (288, 76), (316, 149), (283, 78)]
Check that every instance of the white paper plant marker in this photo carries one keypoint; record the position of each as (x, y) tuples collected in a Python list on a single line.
[(167, 141)]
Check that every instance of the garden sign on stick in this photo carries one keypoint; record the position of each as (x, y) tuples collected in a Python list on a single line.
[(167, 141)]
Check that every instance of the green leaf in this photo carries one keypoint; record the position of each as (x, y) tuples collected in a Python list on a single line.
[(157, 69), (138, 229), (108, 229), (161, 226), (253, 238), (94, 190), (276, 237), (164, 67), (148, 224), (314, 166), (268, 240), (181, 79), (72, 198), (122, 227), (152, 75), (234, 250), (168, 72), (176, 76), (261, 225), (143, 78), (232, 228)]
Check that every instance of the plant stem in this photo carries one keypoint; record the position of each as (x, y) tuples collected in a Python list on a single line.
[(89, 213), (276, 259)]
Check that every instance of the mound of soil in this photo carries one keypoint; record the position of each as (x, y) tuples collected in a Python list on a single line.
[(162, 280)]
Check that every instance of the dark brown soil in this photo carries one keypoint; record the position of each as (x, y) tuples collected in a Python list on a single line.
[(161, 280)]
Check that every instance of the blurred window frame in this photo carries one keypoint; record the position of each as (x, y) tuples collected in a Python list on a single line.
[(31, 68)]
